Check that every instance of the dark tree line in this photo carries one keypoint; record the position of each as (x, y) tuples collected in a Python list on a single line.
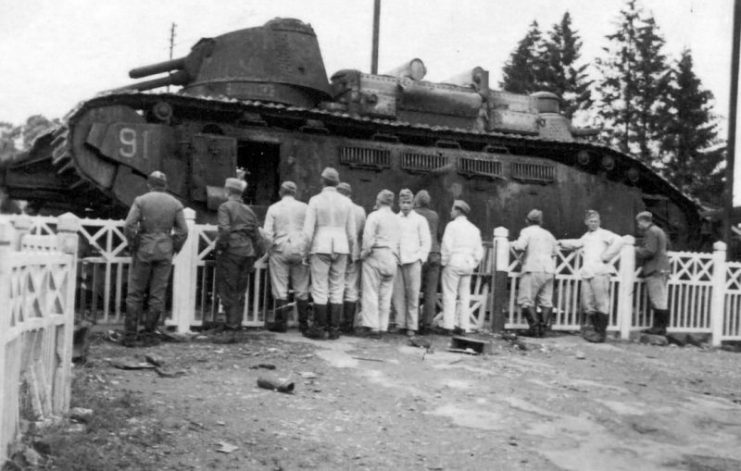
[(647, 105)]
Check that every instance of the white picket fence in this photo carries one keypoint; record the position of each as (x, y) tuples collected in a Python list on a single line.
[(704, 291), (37, 295)]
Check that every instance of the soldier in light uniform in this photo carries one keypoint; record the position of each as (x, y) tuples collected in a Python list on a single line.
[(284, 223), (599, 246), (149, 230), (413, 250), (461, 252), (238, 245), (352, 275), (380, 255), (329, 229), (538, 270), (431, 266)]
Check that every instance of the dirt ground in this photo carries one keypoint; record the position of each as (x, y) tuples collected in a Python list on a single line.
[(559, 404)]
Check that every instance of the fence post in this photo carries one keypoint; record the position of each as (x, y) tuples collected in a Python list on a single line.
[(7, 237), (22, 226), (626, 290), (718, 299), (499, 298), (184, 278), (68, 227)]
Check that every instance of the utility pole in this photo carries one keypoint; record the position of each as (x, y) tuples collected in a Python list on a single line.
[(376, 27), (172, 45), (731, 149)]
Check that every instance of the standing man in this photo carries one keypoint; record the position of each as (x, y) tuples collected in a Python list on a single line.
[(284, 223), (149, 232), (352, 275), (329, 228), (413, 251), (431, 266), (380, 254), (598, 246), (238, 245), (538, 270), (461, 253), (652, 254)]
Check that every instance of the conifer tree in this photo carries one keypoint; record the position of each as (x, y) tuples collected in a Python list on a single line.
[(690, 147), (634, 85), (523, 71)]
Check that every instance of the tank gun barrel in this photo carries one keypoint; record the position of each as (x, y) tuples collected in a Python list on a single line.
[(180, 77), (158, 68)]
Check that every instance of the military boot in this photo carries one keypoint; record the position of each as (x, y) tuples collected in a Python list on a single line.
[(661, 320), (335, 316), (318, 329), (349, 309), (131, 327), (545, 321), (602, 320), (527, 313), (279, 317), (303, 315), (589, 329)]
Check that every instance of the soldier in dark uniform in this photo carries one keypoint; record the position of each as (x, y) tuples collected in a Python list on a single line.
[(237, 247), (149, 231), (651, 254)]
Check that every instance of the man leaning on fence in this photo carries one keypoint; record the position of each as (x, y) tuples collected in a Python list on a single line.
[(538, 269), (329, 229), (284, 222), (461, 252), (599, 246), (155, 229), (651, 252), (238, 245)]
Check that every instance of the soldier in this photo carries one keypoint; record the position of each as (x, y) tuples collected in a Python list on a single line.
[(538, 270), (238, 245), (652, 254), (352, 275), (284, 223), (431, 266), (149, 232), (380, 255), (461, 252), (329, 229), (599, 247), (413, 250)]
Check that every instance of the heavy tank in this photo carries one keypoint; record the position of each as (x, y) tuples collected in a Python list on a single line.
[(259, 101)]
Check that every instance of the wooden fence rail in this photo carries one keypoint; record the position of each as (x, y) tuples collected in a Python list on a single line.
[(37, 295)]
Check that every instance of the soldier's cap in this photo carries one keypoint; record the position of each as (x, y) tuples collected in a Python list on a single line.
[(462, 206), (535, 216), (235, 184), (422, 199), (289, 187), (590, 213), (385, 197), (645, 216), (344, 188), (331, 174), (157, 179), (406, 195)]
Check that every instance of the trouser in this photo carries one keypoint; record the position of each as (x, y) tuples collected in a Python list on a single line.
[(406, 295), (658, 291), (456, 284), (328, 277), (150, 278), (232, 273), (352, 282), (378, 283), (430, 279), (282, 273), (536, 289), (595, 294)]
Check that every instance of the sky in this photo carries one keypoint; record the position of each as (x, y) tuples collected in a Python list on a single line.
[(56, 53)]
